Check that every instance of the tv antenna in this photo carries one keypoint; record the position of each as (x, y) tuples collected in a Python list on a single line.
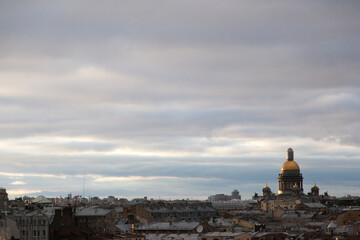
[(83, 193)]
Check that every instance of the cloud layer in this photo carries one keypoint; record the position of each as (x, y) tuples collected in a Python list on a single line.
[(177, 98)]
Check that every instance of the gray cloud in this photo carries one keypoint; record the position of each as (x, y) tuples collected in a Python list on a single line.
[(176, 88)]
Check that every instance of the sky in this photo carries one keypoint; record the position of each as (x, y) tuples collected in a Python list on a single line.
[(177, 99)]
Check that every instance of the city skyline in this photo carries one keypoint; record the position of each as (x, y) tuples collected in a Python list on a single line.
[(177, 99)]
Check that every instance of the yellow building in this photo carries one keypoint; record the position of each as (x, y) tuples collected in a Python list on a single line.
[(349, 217)]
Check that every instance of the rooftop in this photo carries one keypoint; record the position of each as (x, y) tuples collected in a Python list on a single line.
[(92, 211), (315, 205), (169, 226)]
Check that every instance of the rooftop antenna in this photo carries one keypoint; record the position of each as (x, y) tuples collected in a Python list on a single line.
[(83, 193)]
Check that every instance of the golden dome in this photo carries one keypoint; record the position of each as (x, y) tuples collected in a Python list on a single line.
[(315, 187), (266, 186), (290, 165)]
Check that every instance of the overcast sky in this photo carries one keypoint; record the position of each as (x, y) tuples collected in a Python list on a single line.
[(178, 99)]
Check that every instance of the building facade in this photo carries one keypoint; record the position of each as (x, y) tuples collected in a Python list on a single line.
[(99, 220), (223, 197), (32, 226), (4, 201)]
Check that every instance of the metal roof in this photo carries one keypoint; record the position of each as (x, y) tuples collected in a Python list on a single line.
[(223, 234), (315, 205), (92, 211), (169, 226)]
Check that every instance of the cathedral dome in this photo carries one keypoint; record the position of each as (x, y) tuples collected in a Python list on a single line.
[(266, 188), (290, 167), (315, 187)]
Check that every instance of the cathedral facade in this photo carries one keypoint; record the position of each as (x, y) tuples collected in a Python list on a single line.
[(290, 181)]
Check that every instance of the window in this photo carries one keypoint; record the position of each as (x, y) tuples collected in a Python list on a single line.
[(44, 233), (34, 233)]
